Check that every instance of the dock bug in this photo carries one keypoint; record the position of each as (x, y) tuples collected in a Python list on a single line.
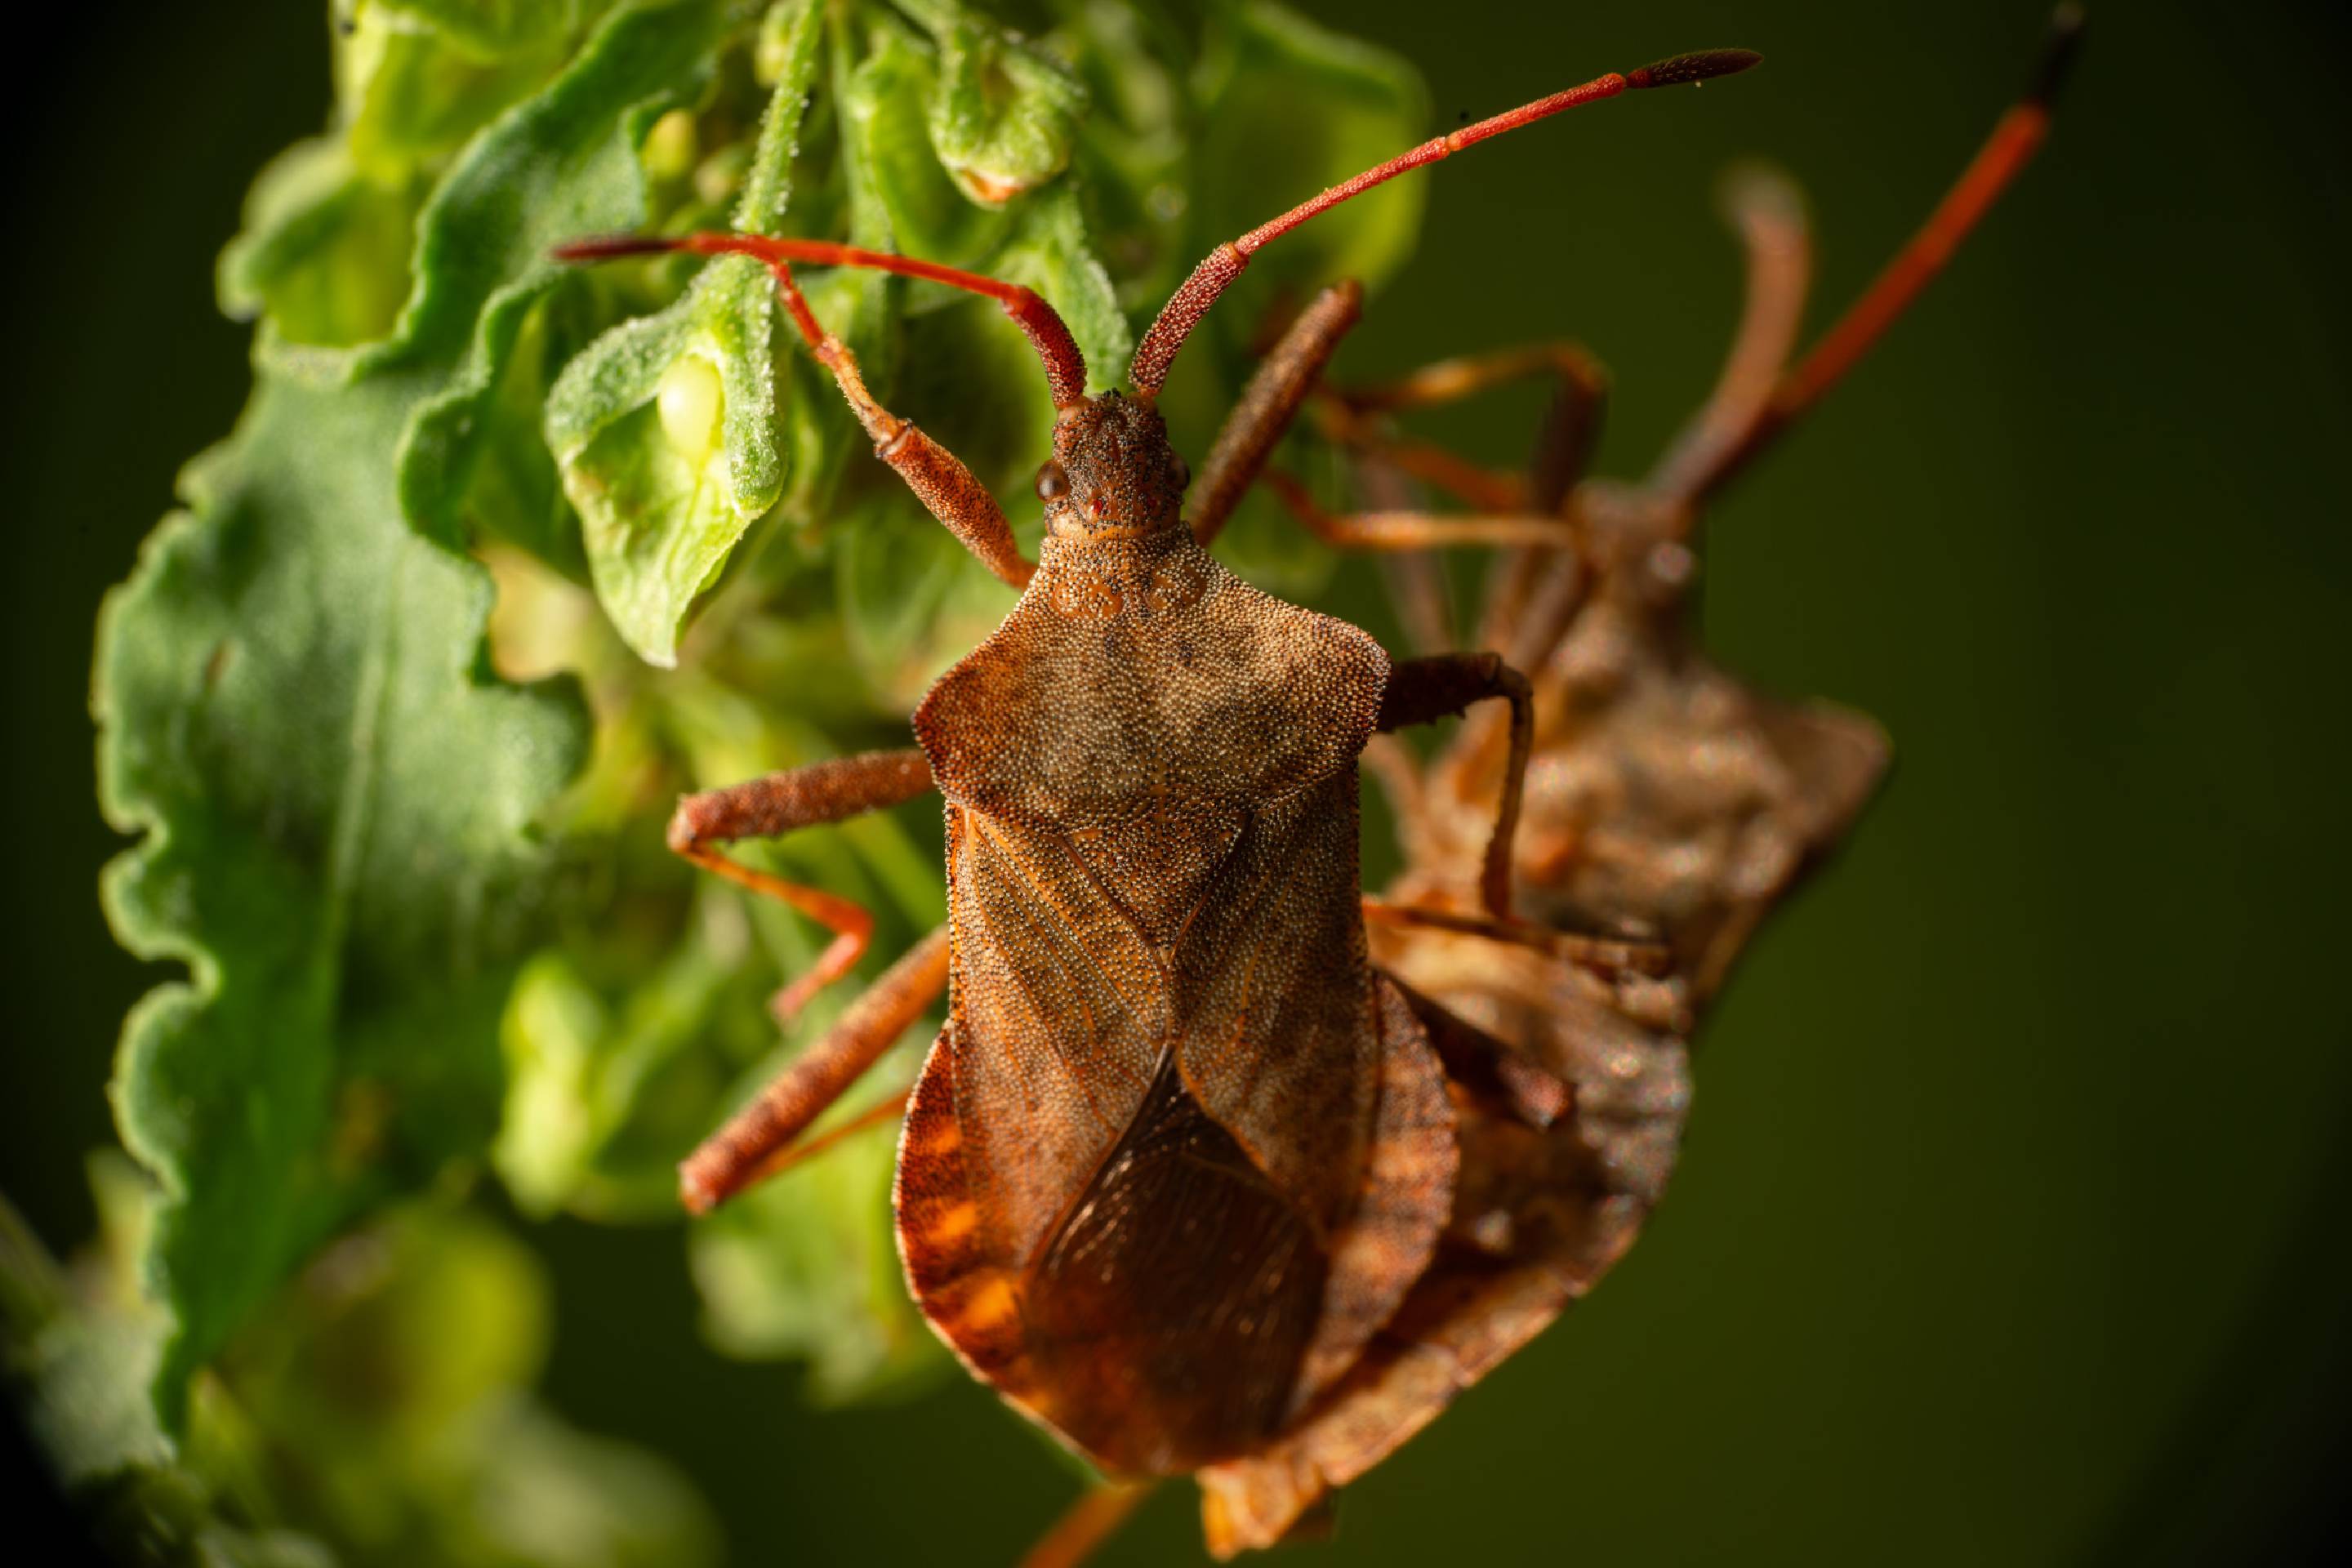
[(1180, 1149), (1665, 800)]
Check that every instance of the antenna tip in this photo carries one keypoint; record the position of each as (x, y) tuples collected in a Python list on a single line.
[(1693, 68), (605, 247), (2060, 47)]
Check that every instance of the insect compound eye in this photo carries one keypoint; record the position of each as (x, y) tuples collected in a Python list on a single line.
[(1052, 484), (1183, 474)]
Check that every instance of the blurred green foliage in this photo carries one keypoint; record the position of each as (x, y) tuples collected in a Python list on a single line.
[(502, 557)]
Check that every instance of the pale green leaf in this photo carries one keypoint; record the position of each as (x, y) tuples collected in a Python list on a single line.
[(559, 166), (664, 432), (336, 809), (1002, 114)]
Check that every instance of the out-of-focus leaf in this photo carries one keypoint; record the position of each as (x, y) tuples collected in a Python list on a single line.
[(666, 428), (539, 1493), (390, 1379), (1002, 114), (80, 1355), (1133, 155), (561, 164), (605, 1096), (336, 807), (416, 78), (324, 250), (1288, 108), (884, 112), (804, 1265)]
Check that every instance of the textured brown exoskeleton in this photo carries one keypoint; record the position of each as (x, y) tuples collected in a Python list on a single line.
[(1665, 799), (1181, 1150)]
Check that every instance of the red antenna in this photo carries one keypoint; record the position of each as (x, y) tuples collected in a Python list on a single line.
[(1221, 265), (1065, 368)]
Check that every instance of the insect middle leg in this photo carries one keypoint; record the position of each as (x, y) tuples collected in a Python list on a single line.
[(800, 798)]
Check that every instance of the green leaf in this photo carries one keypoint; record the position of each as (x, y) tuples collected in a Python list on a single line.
[(665, 429), (1288, 108), (336, 807), (1003, 115), (415, 79), (786, 55), (664, 432), (559, 166), (885, 117), (392, 1379), (323, 252)]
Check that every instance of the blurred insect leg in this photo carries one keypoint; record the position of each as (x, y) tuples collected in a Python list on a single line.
[(1563, 447), (1416, 529), (1415, 578), (756, 1142), (2015, 138), (1768, 214), (1571, 424), (1481, 490), (1605, 955), (1532, 593), (1269, 405), (1466, 375), (1101, 1509), (800, 798), (1422, 691), (1490, 1071)]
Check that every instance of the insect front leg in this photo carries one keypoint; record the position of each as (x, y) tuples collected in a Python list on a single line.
[(949, 490), (757, 1141), (800, 798), (1442, 685)]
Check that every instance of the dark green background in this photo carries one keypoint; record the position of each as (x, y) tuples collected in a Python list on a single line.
[(2008, 1226)]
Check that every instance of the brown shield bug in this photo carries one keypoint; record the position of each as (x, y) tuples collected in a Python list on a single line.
[(1183, 1158), (1665, 799)]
